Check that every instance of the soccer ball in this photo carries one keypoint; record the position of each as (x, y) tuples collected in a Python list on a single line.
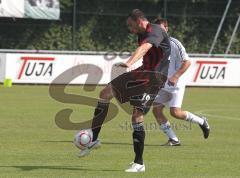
[(83, 138)]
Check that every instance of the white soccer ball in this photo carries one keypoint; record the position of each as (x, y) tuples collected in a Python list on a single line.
[(83, 138)]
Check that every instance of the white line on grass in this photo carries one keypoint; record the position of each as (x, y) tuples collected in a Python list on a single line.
[(205, 113)]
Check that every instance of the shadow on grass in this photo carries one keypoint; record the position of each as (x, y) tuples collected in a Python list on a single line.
[(70, 168), (104, 143), (146, 145)]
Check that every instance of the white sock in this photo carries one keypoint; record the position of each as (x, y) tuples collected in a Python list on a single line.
[(193, 118), (166, 128)]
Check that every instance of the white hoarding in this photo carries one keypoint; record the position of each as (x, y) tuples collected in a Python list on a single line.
[(42, 9), (12, 8), (97, 69), (37, 9), (44, 68), (2, 67), (214, 72)]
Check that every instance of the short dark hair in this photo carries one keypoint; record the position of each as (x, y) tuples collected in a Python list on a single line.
[(159, 21), (136, 13)]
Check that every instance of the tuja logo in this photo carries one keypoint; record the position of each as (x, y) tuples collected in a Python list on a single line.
[(36, 66), (210, 70)]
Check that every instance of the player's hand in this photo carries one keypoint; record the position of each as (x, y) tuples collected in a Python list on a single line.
[(172, 81), (121, 64)]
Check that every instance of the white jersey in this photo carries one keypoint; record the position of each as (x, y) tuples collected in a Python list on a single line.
[(178, 55), (172, 96)]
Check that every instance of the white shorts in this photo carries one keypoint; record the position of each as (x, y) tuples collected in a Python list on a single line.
[(170, 96)]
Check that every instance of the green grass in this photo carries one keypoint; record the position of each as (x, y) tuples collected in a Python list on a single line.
[(31, 144)]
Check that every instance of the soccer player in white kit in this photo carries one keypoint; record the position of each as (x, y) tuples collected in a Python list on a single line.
[(172, 93)]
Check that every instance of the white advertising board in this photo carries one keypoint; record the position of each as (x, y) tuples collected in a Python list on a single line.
[(2, 66), (214, 72), (12, 8), (44, 68), (36, 9), (97, 69)]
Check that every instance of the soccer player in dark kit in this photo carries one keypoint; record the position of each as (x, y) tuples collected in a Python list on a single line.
[(140, 86)]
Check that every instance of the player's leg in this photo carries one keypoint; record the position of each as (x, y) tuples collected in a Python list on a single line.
[(162, 98), (165, 125), (176, 111), (138, 135), (100, 114), (142, 104), (190, 117), (138, 141), (116, 88), (101, 110)]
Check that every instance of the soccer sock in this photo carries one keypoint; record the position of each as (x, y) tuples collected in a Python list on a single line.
[(99, 117), (166, 128), (193, 118), (138, 142)]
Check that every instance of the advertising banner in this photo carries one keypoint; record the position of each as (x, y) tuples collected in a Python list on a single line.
[(214, 72), (2, 67), (99, 69), (37, 9), (12, 8), (75, 69), (42, 9)]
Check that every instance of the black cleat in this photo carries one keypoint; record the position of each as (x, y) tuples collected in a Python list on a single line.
[(205, 128), (172, 142)]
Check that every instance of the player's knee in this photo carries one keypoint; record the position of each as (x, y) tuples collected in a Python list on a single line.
[(157, 110), (137, 115), (175, 112), (102, 94), (105, 94), (154, 111)]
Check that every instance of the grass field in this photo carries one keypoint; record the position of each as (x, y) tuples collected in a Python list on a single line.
[(31, 144)]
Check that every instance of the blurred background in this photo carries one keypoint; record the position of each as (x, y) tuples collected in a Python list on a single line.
[(94, 25)]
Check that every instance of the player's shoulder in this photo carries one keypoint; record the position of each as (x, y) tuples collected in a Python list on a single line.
[(155, 28), (176, 42), (177, 47)]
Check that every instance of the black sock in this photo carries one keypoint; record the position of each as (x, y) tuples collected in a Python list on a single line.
[(138, 142), (99, 117)]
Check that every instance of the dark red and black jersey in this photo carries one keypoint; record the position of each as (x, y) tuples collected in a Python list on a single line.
[(157, 58)]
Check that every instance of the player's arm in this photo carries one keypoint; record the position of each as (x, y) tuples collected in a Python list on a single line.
[(173, 79), (137, 55)]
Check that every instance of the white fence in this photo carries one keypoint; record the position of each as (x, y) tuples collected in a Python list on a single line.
[(32, 67)]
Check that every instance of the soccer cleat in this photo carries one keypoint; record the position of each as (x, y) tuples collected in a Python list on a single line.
[(135, 167), (205, 128), (93, 145), (172, 142)]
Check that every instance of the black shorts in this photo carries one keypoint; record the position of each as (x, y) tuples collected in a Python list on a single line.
[(138, 87)]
